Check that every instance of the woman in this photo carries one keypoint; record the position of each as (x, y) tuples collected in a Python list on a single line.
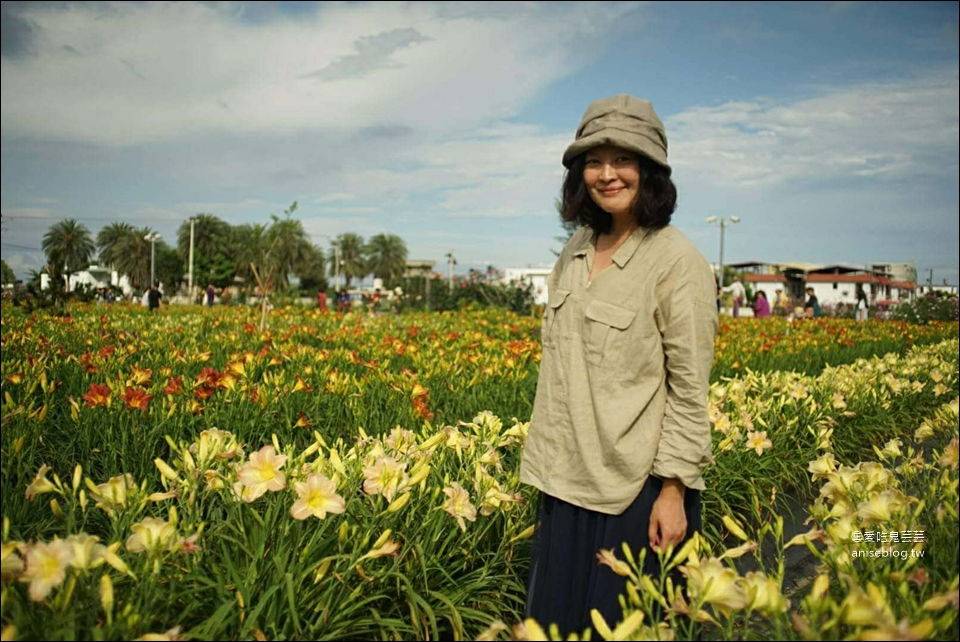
[(619, 433), (761, 307)]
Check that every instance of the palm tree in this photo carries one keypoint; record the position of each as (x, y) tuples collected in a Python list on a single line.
[(289, 246), (387, 257), (112, 240), (250, 245), (135, 258), (211, 235), (352, 264), (68, 246)]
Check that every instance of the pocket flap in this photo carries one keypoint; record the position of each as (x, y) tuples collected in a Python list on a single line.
[(610, 314), (558, 297)]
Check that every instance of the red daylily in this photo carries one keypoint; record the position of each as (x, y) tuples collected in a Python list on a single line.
[(136, 398), (98, 395)]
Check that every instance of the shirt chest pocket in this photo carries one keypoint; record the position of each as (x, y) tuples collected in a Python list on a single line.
[(607, 333), (549, 329)]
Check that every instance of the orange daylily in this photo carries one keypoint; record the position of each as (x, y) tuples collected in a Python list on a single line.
[(136, 398), (98, 395)]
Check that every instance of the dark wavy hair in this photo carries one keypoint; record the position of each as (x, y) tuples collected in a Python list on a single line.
[(656, 199)]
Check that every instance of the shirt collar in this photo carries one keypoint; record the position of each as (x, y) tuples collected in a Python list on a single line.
[(587, 244)]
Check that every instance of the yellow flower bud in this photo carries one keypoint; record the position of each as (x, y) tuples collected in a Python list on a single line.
[(734, 528), (106, 594), (399, 503), (165, 470), (383, 538)]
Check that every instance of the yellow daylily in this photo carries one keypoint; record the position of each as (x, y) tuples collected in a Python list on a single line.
[(458, 505), (46, 567), (153, 535), (318, 496), (714, 583), (87, 552), (40, 484), (765, 595), (262, 472)]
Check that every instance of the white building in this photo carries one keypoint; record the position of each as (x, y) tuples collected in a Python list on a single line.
[(94, 277), (927, 289), (537, 277)]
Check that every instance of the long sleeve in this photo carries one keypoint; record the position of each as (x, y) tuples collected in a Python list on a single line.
[(688, 319)]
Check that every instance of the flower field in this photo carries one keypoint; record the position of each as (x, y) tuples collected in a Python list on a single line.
[(185, 475)]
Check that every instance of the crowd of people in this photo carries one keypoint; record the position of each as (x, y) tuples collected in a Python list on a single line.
[(781, 305)]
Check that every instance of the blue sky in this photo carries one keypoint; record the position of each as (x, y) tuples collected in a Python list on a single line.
[(831, 129)]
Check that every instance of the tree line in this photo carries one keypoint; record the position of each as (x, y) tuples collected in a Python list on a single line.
[(223, 253)]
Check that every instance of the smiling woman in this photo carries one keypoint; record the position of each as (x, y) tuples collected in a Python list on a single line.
[(620, 433)]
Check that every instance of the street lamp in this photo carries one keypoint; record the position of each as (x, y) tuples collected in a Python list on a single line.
[(723, 224), (153, 238)]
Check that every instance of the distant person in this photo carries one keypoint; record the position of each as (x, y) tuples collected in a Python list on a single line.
[(761, 307), (343, 301), (812, 306), (154, 296), (375, 300), (862, 305), (779, 303), (739, 295), (322, 300), (211, 294)]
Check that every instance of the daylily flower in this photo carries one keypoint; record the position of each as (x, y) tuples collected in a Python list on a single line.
[(215, 445), (153, 535), (174, 386), (951, 454), (879, 508), (262, 472), (765, 595), (40, 484), (139, 377), (98, 395), (458, 505), (384, 477), (318, 496), (823, 466), (758, 441), (10, 563), (87, 553), (136, 398), (716, 584), (607, 557), (46, 567), (923, 433), (400, 440), (302, 386), (113, 494)]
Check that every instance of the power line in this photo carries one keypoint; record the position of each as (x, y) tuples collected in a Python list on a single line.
[(21, 247)]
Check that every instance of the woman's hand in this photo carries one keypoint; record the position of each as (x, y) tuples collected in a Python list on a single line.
[(668, 519)]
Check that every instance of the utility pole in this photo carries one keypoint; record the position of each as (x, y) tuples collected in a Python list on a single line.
[(190, 273), (153, 238), (336, 267), (723, 225)]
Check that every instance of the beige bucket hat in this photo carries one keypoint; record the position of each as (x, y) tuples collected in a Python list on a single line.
[(624, 121)]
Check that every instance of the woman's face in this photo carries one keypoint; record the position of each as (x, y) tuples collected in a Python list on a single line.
[(612, 177)]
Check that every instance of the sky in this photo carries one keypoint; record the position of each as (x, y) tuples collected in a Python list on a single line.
[(832, 130)]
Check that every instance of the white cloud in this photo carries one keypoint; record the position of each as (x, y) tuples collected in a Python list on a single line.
[(171, 71), (874, 130)]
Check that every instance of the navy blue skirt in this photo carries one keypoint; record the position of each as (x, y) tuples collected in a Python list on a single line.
[(566, 581)]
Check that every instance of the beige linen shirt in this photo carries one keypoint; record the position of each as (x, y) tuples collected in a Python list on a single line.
[(622, 391)]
